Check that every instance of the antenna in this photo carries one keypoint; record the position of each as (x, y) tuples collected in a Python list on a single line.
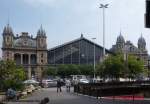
[(120, 32), (141, 34), (41, 16), (8, 17)]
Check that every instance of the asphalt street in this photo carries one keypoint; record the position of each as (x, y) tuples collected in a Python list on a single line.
[(69, 98)]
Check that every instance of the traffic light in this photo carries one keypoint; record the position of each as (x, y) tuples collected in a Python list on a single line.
[(147, 15)]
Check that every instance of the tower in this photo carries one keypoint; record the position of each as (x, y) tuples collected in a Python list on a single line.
[(41, 50), (120, 43), (7, 43), (7, 37), (141, 44), (41, 38)]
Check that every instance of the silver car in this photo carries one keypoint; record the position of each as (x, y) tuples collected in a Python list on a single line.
[(49, 83), (83, 81)]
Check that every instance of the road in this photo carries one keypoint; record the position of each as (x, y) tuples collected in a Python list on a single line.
[(69, 98)]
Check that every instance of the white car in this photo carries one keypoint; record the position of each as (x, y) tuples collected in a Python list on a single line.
[(49, 83), (83, 81)]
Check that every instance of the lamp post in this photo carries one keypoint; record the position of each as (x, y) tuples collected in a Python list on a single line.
[(103, 6), (94, 56), (126, 48)]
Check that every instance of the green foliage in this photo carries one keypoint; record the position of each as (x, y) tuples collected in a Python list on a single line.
[(62, 70), (11, 75), (86, 69), (74, 69), (115, 67), (67, 70), (112, 67), (50, 71), (135, 67)]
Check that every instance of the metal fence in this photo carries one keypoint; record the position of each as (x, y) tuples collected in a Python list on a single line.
[(113, 88)]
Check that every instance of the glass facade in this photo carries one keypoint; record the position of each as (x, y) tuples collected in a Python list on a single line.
[(80, 51)]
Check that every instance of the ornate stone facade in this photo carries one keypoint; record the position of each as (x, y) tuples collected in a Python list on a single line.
[(140, 52), (25, 50)]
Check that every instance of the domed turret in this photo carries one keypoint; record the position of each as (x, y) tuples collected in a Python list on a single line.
[(7, 30), (120, 39), (141, 43), (120, 43)]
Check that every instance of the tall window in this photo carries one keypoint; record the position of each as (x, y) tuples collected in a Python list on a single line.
[(7, 39), (42, 55)]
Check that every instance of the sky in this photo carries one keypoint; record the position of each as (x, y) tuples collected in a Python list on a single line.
[(65, 20)]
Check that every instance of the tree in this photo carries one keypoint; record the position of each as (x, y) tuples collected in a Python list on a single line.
[(67, 70), (114, 67), (135, 67), (86, 69), (74, 69), (62, 70), (111, 68), (11, 75), (70, 69), (50, 71)]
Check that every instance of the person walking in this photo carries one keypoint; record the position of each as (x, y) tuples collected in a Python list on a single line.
[(68, 85), (59, 86), (75, 83)]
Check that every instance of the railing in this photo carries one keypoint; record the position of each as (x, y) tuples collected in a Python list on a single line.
[(2, 97), (112, 88)]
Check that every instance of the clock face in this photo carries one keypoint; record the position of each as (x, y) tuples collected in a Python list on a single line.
[(8, 42), (25, 43), (42, 43)]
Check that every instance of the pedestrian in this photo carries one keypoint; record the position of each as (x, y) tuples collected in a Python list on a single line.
[(68, 85), (75, 83), (59, 85)]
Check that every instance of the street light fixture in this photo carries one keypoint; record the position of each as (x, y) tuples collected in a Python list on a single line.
[(103, 6), (94, 56)]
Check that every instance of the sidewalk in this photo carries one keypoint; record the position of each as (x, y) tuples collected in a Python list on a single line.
[(71, 98)]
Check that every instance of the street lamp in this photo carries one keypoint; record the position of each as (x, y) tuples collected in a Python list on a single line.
[(94, 56), (126, 48), (103, 6)]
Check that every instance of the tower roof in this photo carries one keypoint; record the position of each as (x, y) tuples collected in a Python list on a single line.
[(141, 41), (7, 30), (41, 32), (120, 39)]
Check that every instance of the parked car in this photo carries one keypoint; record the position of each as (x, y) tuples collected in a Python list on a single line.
[(49, 83), (83, 81)]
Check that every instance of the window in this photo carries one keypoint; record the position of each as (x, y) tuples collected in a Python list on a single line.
[(7, 39), (42, 41), (42, 55)]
